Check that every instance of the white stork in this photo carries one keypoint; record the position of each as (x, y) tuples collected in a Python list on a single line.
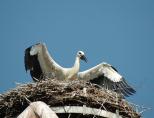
[(40, 63)]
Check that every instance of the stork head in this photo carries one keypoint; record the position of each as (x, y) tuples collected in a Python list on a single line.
[(35, 49), (82, 56)]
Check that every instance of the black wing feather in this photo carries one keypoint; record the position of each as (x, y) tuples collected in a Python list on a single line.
[(32, 64), (120, 87)]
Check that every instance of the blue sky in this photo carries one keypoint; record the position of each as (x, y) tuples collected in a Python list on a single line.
[(120, 32)]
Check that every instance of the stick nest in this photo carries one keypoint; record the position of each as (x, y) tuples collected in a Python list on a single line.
[(63, 93)]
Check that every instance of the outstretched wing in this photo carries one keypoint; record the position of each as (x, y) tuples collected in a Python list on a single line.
[(41, 64), (107, 76)]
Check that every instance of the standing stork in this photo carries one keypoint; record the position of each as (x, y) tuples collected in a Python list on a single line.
[(40, 63)]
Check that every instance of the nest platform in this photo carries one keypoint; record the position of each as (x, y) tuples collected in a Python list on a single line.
[(64, 93)]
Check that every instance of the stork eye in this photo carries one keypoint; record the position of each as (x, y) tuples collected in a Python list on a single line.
[(79, 52)]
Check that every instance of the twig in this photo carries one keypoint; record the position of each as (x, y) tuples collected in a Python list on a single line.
[(27, 100)]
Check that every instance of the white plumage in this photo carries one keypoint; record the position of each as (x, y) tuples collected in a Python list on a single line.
[(40, 63)]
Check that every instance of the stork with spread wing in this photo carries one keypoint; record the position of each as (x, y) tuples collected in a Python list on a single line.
[(40, 63)]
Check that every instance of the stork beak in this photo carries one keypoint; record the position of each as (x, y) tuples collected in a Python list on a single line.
[(84, 58)]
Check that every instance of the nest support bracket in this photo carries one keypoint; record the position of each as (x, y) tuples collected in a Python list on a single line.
[(85, 111)]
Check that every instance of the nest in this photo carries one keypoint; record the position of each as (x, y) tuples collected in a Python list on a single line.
[(62, 93)]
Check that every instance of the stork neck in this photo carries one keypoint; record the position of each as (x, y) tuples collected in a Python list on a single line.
[(77, 64)]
